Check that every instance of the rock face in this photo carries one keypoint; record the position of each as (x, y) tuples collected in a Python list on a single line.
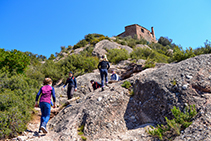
[(187, 82), (98, 112), (114, 115), (100, 47)]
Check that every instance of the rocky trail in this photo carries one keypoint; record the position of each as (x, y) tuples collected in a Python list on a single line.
[(115, 115)]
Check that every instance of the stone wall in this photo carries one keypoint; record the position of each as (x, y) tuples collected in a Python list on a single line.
[(140, 31)]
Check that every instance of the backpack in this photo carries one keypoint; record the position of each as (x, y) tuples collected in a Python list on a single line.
[(97, 85)]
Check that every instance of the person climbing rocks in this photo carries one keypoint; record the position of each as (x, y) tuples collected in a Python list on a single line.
[(95, 85), (103, 67), (114, 76), (72, 85), (45, 94)]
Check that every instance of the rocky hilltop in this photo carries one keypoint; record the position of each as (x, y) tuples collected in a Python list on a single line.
[(116, 115)]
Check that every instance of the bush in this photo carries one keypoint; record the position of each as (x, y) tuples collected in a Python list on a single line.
[(173, 127), (149, 64), (95, 38), (157, 57), (17, 95), (164, 41), (81, 43), (179, 54), (81, 132), (126, 84), (78, 64), (52, 70), (14, 60), (132, 42), (117, 55), (204, 50), (148, 54), (87, 52), (52, 57), (140, 53)]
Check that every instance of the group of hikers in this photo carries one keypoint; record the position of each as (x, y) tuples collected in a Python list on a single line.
[(47, 90)]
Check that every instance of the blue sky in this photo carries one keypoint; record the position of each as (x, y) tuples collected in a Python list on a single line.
[(43, 26)]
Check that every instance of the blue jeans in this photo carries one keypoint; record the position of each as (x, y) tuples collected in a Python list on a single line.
[(46, 112), (104, 73)]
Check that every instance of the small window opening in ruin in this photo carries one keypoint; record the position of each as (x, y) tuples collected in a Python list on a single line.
[(148, 32), (142, 30)]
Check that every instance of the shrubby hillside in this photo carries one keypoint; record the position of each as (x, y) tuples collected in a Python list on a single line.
[(22, 73)]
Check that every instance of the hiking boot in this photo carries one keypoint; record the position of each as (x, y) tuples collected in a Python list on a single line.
[(44, 129), (106, 83), (102, 89), (40, 131)]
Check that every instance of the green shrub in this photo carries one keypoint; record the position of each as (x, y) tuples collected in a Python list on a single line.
[(14, 60), (17, 94), (164, 41), (132, 92), (95, 38), (132, 42), (159, 58), (81, 43), (52, 70), (81, 132), (159, 48), (52, 57), (78, 64), (149, 64), (203, 50), (63, 48), (117, 55), (126, 84), (83, 138), (87, 52), (122, 43), (173, 127), (69, 47), (179, 54), (140, 53), (148, 54)]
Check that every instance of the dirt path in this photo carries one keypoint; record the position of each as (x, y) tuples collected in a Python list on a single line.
[(31, 133)]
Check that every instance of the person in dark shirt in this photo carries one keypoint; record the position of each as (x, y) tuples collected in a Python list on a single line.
[(72, 85), (95, 85), (103, 66)]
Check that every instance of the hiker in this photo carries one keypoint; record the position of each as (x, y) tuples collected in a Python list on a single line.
[(103, 66), (95, 85), (72, 85), (45, 94), (114, 76)]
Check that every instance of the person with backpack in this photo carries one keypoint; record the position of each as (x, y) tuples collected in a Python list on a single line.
[(95, 85), (45, 94), (103, 67), (72, 85)]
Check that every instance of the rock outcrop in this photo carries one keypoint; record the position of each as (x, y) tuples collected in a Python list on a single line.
[(115, 115), (102, 46), (186, 82)]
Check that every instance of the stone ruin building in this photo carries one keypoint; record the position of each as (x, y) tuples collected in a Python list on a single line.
[(140, 32)]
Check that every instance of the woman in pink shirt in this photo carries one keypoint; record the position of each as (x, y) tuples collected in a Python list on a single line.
[(45, 94)]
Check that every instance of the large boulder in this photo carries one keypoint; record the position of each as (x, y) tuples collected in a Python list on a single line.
[(179, 84), (99, 112), (102, 46)]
